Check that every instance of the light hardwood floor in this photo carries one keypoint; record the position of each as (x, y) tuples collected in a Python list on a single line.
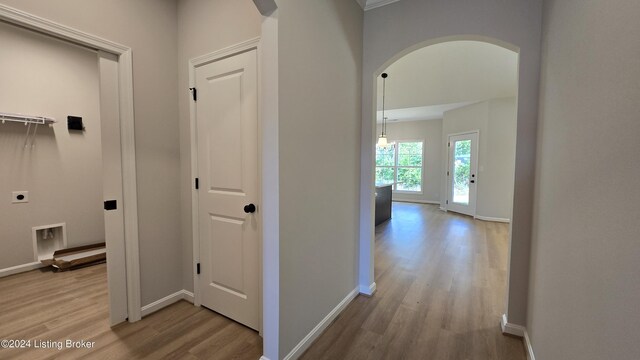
[(73, 305), (441, 281), (441, 288)]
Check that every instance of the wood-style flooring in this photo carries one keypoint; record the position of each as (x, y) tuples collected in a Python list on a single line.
[(73, 305), (441, 282)]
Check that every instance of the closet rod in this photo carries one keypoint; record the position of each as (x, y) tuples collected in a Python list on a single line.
[(27, 119)]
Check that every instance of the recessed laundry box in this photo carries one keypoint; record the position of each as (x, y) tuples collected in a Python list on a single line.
[(50, 248), (47, 239)]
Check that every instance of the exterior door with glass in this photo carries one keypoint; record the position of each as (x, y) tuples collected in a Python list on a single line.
[(462, 176)]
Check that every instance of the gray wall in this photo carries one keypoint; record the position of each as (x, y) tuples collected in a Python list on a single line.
[(391, 30), (499, 167), (585, 288), (496, 121), (320, 52), (430, 132), (232, 22), (149, 27), (63, 171)]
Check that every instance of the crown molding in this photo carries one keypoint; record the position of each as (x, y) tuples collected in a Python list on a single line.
[(372, 4)]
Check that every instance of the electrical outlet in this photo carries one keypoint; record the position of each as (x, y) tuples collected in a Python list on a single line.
[(18, 197)]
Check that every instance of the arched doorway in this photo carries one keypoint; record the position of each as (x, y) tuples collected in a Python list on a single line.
[(366, 264)]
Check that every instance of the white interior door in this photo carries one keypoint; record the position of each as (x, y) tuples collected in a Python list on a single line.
[(462, 173), (227, 135)]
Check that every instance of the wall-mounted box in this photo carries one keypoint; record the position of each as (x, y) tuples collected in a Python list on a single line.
[(75, 123)]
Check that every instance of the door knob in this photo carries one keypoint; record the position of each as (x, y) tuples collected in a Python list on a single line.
[(249, 208), (472, 181)]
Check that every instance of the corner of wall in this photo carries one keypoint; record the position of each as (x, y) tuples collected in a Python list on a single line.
[(518, 331)]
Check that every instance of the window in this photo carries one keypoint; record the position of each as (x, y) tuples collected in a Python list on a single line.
[(401, 163)]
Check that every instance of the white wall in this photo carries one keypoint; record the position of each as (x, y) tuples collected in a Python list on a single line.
[(63, 171), (232, 22), (320, 52), (396, 29), (496, 122), (149, 27), (451, 72), (430, 132), (496, 198), (585, 288)]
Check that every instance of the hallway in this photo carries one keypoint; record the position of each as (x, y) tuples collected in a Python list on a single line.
[(441, 283)]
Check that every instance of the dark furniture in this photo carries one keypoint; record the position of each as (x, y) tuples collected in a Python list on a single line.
[(383, 203)]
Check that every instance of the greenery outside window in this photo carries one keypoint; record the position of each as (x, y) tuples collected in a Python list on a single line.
[(400, 163)]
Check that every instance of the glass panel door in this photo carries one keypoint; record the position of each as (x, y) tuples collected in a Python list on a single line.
[(462, 178), (461, 171)]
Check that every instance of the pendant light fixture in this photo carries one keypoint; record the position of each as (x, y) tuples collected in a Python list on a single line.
[(382, 140)]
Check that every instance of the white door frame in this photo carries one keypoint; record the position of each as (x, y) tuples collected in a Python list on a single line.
[(449, 169), (126, 289), (268, 70), (252, 44)]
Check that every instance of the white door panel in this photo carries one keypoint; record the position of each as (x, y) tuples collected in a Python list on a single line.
[(228, 168)]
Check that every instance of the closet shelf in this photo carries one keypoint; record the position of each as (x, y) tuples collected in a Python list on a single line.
[(26, 119)]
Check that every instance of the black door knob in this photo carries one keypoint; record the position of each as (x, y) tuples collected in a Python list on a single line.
[(249, 208), (472, 181)]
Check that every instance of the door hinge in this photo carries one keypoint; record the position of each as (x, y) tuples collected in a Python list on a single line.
[(447, 173), (447, 202), (194, 93), (197, 183), (198, 268), (448, 144)]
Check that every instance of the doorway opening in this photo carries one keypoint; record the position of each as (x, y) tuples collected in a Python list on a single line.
[(88, 155), (457, 96)]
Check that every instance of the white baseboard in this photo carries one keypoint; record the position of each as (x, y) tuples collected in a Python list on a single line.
[(494, 219), (527, 346), (187, 296), (519, 331), (368, 290), (264, 358), (511, 329), (304, 344), (166, 301), (21, 268), (443, 209), (417, 201)]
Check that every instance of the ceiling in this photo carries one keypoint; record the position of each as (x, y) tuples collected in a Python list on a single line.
[(429, 81), (372, 4), (432, 112)]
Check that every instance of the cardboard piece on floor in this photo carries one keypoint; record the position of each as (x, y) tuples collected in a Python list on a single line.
[(67, 259)]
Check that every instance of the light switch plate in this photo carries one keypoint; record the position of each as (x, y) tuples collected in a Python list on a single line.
[(18, 197)]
